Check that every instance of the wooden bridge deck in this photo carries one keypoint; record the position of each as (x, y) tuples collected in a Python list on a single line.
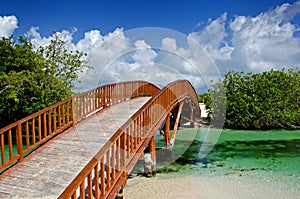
[(47, 171)]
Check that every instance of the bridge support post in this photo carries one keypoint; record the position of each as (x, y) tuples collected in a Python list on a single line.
[(192, 115), (153, 154), (176, 124), (150, 159), (167, 130)]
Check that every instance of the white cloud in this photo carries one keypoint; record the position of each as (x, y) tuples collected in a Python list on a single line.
[(169, 44), (143, 54), (253, 43), (267, 40), (102, 50), (37, 40), (92, 39), (7, 25), (212, 38), (102, 55)]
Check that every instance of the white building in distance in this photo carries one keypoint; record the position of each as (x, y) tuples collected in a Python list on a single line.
[(204, 111)]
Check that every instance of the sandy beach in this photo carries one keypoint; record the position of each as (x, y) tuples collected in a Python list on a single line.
[(229, 186)]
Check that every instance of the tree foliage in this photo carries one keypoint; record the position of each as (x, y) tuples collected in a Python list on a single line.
[(32, 79), (265, 100), (205, 98)]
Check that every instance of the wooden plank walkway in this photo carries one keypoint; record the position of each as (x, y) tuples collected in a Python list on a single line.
[(47, 171)]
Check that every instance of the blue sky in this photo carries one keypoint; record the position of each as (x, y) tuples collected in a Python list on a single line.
[(253, 36), (107, 15)]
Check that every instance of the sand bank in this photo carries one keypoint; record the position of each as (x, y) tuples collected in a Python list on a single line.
[(229, 186)]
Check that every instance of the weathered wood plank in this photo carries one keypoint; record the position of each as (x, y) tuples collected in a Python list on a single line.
[(47, 171)]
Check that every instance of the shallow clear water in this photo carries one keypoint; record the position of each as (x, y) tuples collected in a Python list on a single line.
[(232, 151)]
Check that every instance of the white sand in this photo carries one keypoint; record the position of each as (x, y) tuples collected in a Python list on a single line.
[(230, 186)]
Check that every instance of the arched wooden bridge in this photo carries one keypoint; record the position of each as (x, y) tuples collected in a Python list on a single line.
[(85, 146)]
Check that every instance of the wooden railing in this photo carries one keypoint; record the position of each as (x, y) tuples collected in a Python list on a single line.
[(107, 171), (23, 136)]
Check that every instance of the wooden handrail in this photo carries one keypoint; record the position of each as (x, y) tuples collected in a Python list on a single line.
[(103, 176), (25, 135)]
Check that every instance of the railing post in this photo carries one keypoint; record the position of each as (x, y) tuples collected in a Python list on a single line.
[(99, 99), (104, 96), (123, 154), (73, 112), (20, 142)]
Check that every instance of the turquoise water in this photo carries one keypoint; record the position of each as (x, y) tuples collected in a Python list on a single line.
[(206, 151)]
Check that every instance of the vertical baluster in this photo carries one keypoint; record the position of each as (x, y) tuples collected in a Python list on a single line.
[(149, 117), (90, 186), (93, 94), (139, 128), (59, 116), (142, 124), (108, 168), (63, 114), (111, 93), (118, 156), (33, 131), (99, 98), (92, 100), (10, 144), (74, 196), (127, 146), (113, 164), (131, 138), (104, 97), (95, 99), (2, 149), (121, 92), (82, 192), (96, 180), (102, 176), (146, 122), (19, 141), (39, 128), (54, 120), (135, 133), (74, 110), (27, 134), (108, 95), (45, 124), (87, 103), (123, 153), (67, 113), (49, 123), (80, 106)]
